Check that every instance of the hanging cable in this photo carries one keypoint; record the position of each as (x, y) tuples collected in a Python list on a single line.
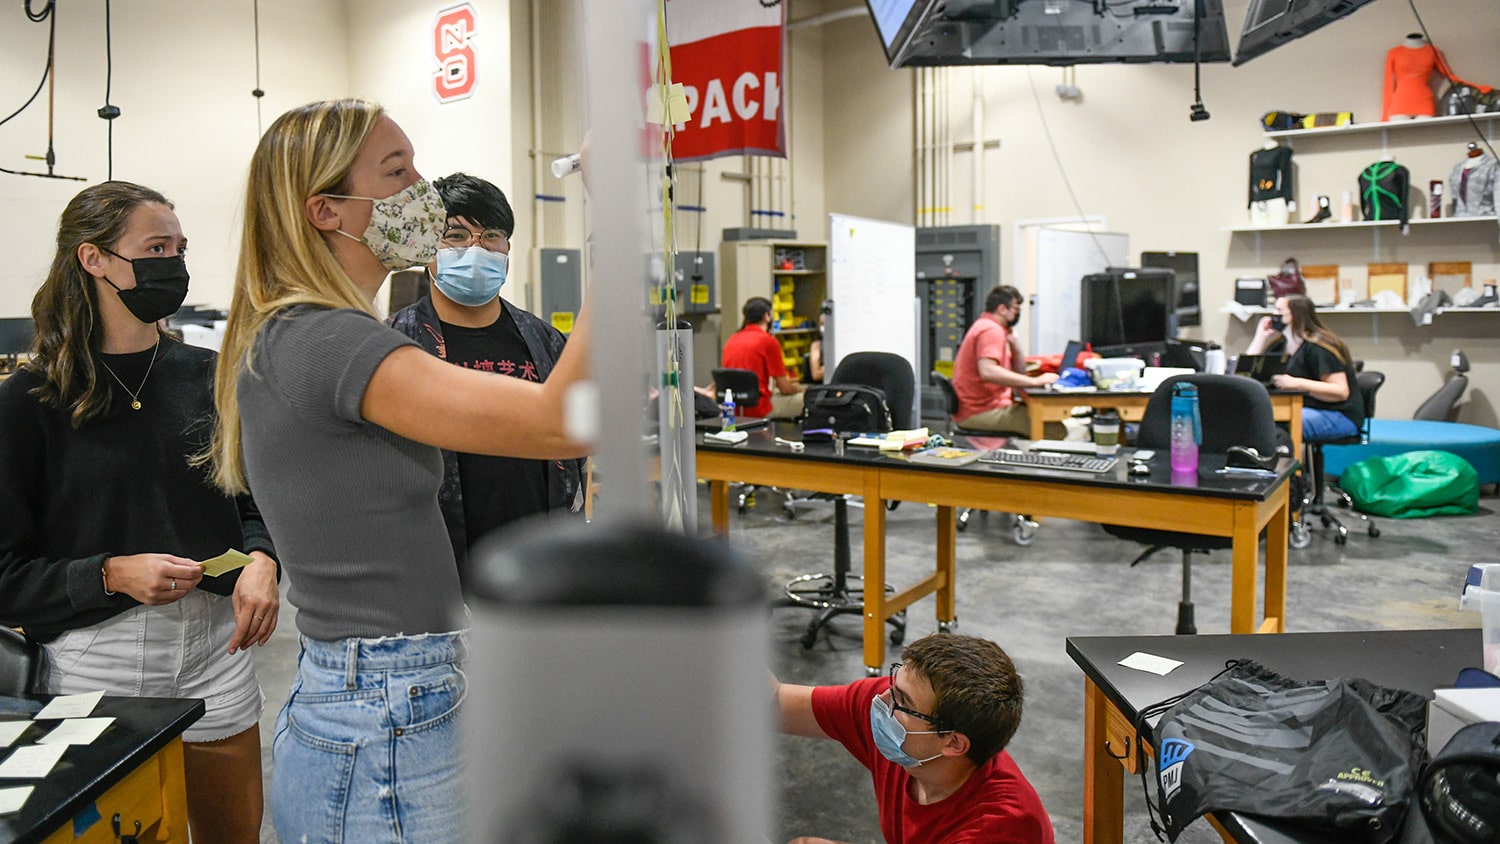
[(1197, 112), (1063, 171), (109, 112), (257, 93), (1425, 34), (47, 13)]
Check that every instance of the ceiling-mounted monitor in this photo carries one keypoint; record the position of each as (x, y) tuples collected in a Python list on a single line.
[(1271, 23), (933, 33)]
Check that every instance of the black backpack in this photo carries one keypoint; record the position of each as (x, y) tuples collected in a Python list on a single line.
[(845, 408)]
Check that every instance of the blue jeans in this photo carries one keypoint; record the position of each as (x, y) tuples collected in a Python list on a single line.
[(368, 745), (1319, 425)]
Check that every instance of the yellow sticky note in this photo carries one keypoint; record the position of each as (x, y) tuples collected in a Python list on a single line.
[(225, 563), (677, 104), (563, 321)]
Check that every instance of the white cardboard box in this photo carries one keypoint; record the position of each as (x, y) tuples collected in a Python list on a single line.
[(1454, 709)]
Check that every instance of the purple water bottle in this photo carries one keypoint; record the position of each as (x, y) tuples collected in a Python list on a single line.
[(1187, 428)]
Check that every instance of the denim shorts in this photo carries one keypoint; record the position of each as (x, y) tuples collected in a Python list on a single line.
[(368, 746), (1318, 425), (179, 649)]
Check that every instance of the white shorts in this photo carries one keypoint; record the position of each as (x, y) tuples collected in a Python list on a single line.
[(176, 650)]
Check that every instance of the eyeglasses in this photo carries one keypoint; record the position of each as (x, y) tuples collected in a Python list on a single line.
[(492, 239), (936, 722)]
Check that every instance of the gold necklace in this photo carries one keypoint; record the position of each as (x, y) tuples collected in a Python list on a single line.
[(135, 397)]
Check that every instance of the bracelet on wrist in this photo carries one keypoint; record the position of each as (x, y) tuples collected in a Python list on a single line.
[(104, 575)]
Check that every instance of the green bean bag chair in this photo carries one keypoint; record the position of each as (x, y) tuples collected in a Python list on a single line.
[(1413, 485)]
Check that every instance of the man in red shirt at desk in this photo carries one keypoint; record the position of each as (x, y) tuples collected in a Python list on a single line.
[(990, 367), (753, 348), (933, 736)]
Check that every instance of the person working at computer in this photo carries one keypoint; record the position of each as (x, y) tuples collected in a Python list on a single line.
[(753, 348), (991, 367), (465, 322), (933, 736), (1319, 365)]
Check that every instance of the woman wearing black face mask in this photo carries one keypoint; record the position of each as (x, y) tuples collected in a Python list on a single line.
[(1320, 366), (105, 517)]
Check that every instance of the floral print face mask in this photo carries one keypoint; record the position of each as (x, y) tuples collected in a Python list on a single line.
[(405, 227)]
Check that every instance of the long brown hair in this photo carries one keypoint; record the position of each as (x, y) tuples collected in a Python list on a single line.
[(284, 261), (1305, 324), (69, 329)]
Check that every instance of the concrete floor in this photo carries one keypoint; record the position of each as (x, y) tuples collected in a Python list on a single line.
[(1072, 580)]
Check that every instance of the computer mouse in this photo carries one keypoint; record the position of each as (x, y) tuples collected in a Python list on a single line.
[(1245, 457), (1140, 468)]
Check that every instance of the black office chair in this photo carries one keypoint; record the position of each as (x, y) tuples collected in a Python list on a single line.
[(841, 592), (1023, 529), (20, 665), (746, 387), (1439, 406), (1368, 383), (1235, 410)]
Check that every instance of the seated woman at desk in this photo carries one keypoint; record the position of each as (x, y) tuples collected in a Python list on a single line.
[(1319, 365)]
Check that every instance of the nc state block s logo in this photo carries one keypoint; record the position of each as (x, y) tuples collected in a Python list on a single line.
[(453, 32)]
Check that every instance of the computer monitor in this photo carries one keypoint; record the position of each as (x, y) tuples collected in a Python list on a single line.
[(1125, 306), (17, 336), (1184, 267), (1271, 23)]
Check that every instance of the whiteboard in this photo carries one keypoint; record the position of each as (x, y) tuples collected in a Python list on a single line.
[(1062, 259), (872, 277)]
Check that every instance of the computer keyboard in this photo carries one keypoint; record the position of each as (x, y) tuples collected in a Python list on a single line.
[(1046, 460)]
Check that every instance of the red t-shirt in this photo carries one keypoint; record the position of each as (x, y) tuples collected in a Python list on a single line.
[(987, 338), (995, 806), (756, 350)]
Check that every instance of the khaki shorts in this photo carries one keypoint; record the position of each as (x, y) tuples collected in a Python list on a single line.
[(785, 407), (1002, 420), (175, 650)]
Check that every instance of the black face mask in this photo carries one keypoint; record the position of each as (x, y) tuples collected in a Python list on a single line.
[(1278, 323), (1013, 320), (160, 286)]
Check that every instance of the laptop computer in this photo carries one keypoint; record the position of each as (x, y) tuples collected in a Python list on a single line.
[(1260, 367), (1070, 356)]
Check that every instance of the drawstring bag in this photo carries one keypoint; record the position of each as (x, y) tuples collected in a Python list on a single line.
[(1338, 757)]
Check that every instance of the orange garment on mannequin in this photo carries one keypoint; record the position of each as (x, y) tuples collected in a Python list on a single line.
[(1407, 86)]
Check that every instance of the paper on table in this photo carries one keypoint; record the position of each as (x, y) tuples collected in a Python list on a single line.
[(76, 731), (225, 563), (32, 762), (70, 706), (11, 730), (12, 799), (1148, 662)]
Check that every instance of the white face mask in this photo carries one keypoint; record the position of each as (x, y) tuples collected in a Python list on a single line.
[(405, 228)]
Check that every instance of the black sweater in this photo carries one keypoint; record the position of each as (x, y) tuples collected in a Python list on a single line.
[(119, 485)]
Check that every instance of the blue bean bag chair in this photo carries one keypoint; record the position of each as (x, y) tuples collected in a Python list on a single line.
[(1479, 445)]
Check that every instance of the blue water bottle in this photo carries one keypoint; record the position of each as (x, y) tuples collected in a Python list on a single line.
[(1187, 428), (726, 412)]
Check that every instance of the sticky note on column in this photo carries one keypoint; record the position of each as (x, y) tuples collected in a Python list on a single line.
[(225, 563)]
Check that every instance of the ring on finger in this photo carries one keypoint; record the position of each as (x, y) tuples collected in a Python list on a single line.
[(174, 586)]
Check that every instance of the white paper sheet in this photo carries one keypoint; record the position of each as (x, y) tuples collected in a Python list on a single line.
[(32, 762), (12, 799), (1149, 662), (76, 731), (70, 706)]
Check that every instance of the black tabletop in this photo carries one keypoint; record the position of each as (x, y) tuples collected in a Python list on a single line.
[(142, 727), (1416, 660), (1206, 482)]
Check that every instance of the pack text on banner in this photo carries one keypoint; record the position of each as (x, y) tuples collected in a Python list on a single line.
[(728, 56)]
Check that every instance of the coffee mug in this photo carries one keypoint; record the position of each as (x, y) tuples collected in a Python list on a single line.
[(1106, 433)]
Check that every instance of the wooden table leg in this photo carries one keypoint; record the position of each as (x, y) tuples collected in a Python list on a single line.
[(719, 496), (1038, 424), (1103, 777), (947, 569), (174, 820), (1276, 542), (1246, 538), (875, 611)]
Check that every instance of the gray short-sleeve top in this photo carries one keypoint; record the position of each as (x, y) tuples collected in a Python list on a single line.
[(352, 507)]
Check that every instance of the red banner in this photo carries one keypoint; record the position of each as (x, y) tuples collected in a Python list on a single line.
[(728, 56)]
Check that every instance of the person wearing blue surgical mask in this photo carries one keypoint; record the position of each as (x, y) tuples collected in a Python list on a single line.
[(463, 320), (933, 734)]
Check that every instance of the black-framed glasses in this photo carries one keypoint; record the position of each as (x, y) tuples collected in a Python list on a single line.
[(456, 237), (941, 725)]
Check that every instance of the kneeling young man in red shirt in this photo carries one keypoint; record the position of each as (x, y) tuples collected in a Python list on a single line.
[(933, 735)]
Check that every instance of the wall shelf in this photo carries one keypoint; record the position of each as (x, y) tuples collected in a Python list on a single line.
[(1358, 224), (1390, 126)]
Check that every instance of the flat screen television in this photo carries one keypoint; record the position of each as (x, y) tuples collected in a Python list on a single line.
[(932, 33), (1126, 306), (1184, 267), (1271, 23)]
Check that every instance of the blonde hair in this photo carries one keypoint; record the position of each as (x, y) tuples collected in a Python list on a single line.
[(284, 260)]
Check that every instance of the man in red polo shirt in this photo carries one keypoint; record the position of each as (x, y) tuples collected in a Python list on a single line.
[(933, 736), (753, 348), (990, 367)]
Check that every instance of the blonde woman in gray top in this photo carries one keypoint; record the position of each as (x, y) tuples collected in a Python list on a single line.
[(339, 419)]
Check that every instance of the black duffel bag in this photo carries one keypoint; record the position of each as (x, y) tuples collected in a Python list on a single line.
[(845, 408)]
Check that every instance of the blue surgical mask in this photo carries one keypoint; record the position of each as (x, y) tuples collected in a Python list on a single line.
[(890, 735), (472, 276)]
